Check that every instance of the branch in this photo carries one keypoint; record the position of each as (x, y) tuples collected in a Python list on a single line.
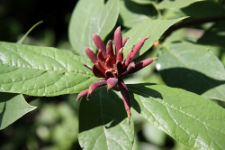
[(192, 22)]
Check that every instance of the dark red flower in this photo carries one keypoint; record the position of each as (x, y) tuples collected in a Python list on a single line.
[(111, 65)]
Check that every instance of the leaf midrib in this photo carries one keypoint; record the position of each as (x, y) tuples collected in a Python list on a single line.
[(47, 70), (66, 71)]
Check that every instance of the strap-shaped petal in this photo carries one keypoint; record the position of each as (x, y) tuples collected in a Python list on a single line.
[(130, 66), (97, 72), (101, 66), (108, 62), (91, 55), (111, 83), (109, 49), (125, 95), (95, 86), (117, 40), (141, 65), (119, 56), (87, 66), (82, 93), (119, 68), (109, 73), (99, 44), (100, 56), (124, 41), (137, 48), (127, 61)]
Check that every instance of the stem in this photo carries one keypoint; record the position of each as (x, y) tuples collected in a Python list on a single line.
[(28, 32), (192, 22)]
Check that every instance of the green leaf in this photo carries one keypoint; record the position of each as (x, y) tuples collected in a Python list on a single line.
[(178, 35), (103, 123), (132, 14), (12, 107), (214, 35), (79, 21), (204, 9), (194, 68), (42, 71), (199, 9), (101, 22), (187, 117), (154, 28), (174, 4)]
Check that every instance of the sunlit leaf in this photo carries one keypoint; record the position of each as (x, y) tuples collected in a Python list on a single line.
[(94, 18), (103, 122), (194, 68), (175, 3), (178, 35), (187, 117), (42, 71), (154, 28), (79, 21), (12, 107)]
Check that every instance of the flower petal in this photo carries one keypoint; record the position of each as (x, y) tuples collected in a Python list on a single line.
[(95, 86), (99, 44), (109, 73), (125, 95), (127, 61), (97, 72), (101, 66), (119, 68), (130, 66), (91, 55), (111, 82), (82, 93), (109, 49), (124, 41), (137, 48), (119, 56), (108, 62), (117, 40), (100, 56), (141, 65), (87, 66)]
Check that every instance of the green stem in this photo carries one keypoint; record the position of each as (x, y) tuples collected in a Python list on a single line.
[(28, 32), (192, 22)]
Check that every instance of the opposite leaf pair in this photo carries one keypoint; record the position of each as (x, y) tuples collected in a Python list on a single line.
[(111, 66)]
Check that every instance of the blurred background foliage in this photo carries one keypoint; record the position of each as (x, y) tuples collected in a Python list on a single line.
[(54, 125)]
